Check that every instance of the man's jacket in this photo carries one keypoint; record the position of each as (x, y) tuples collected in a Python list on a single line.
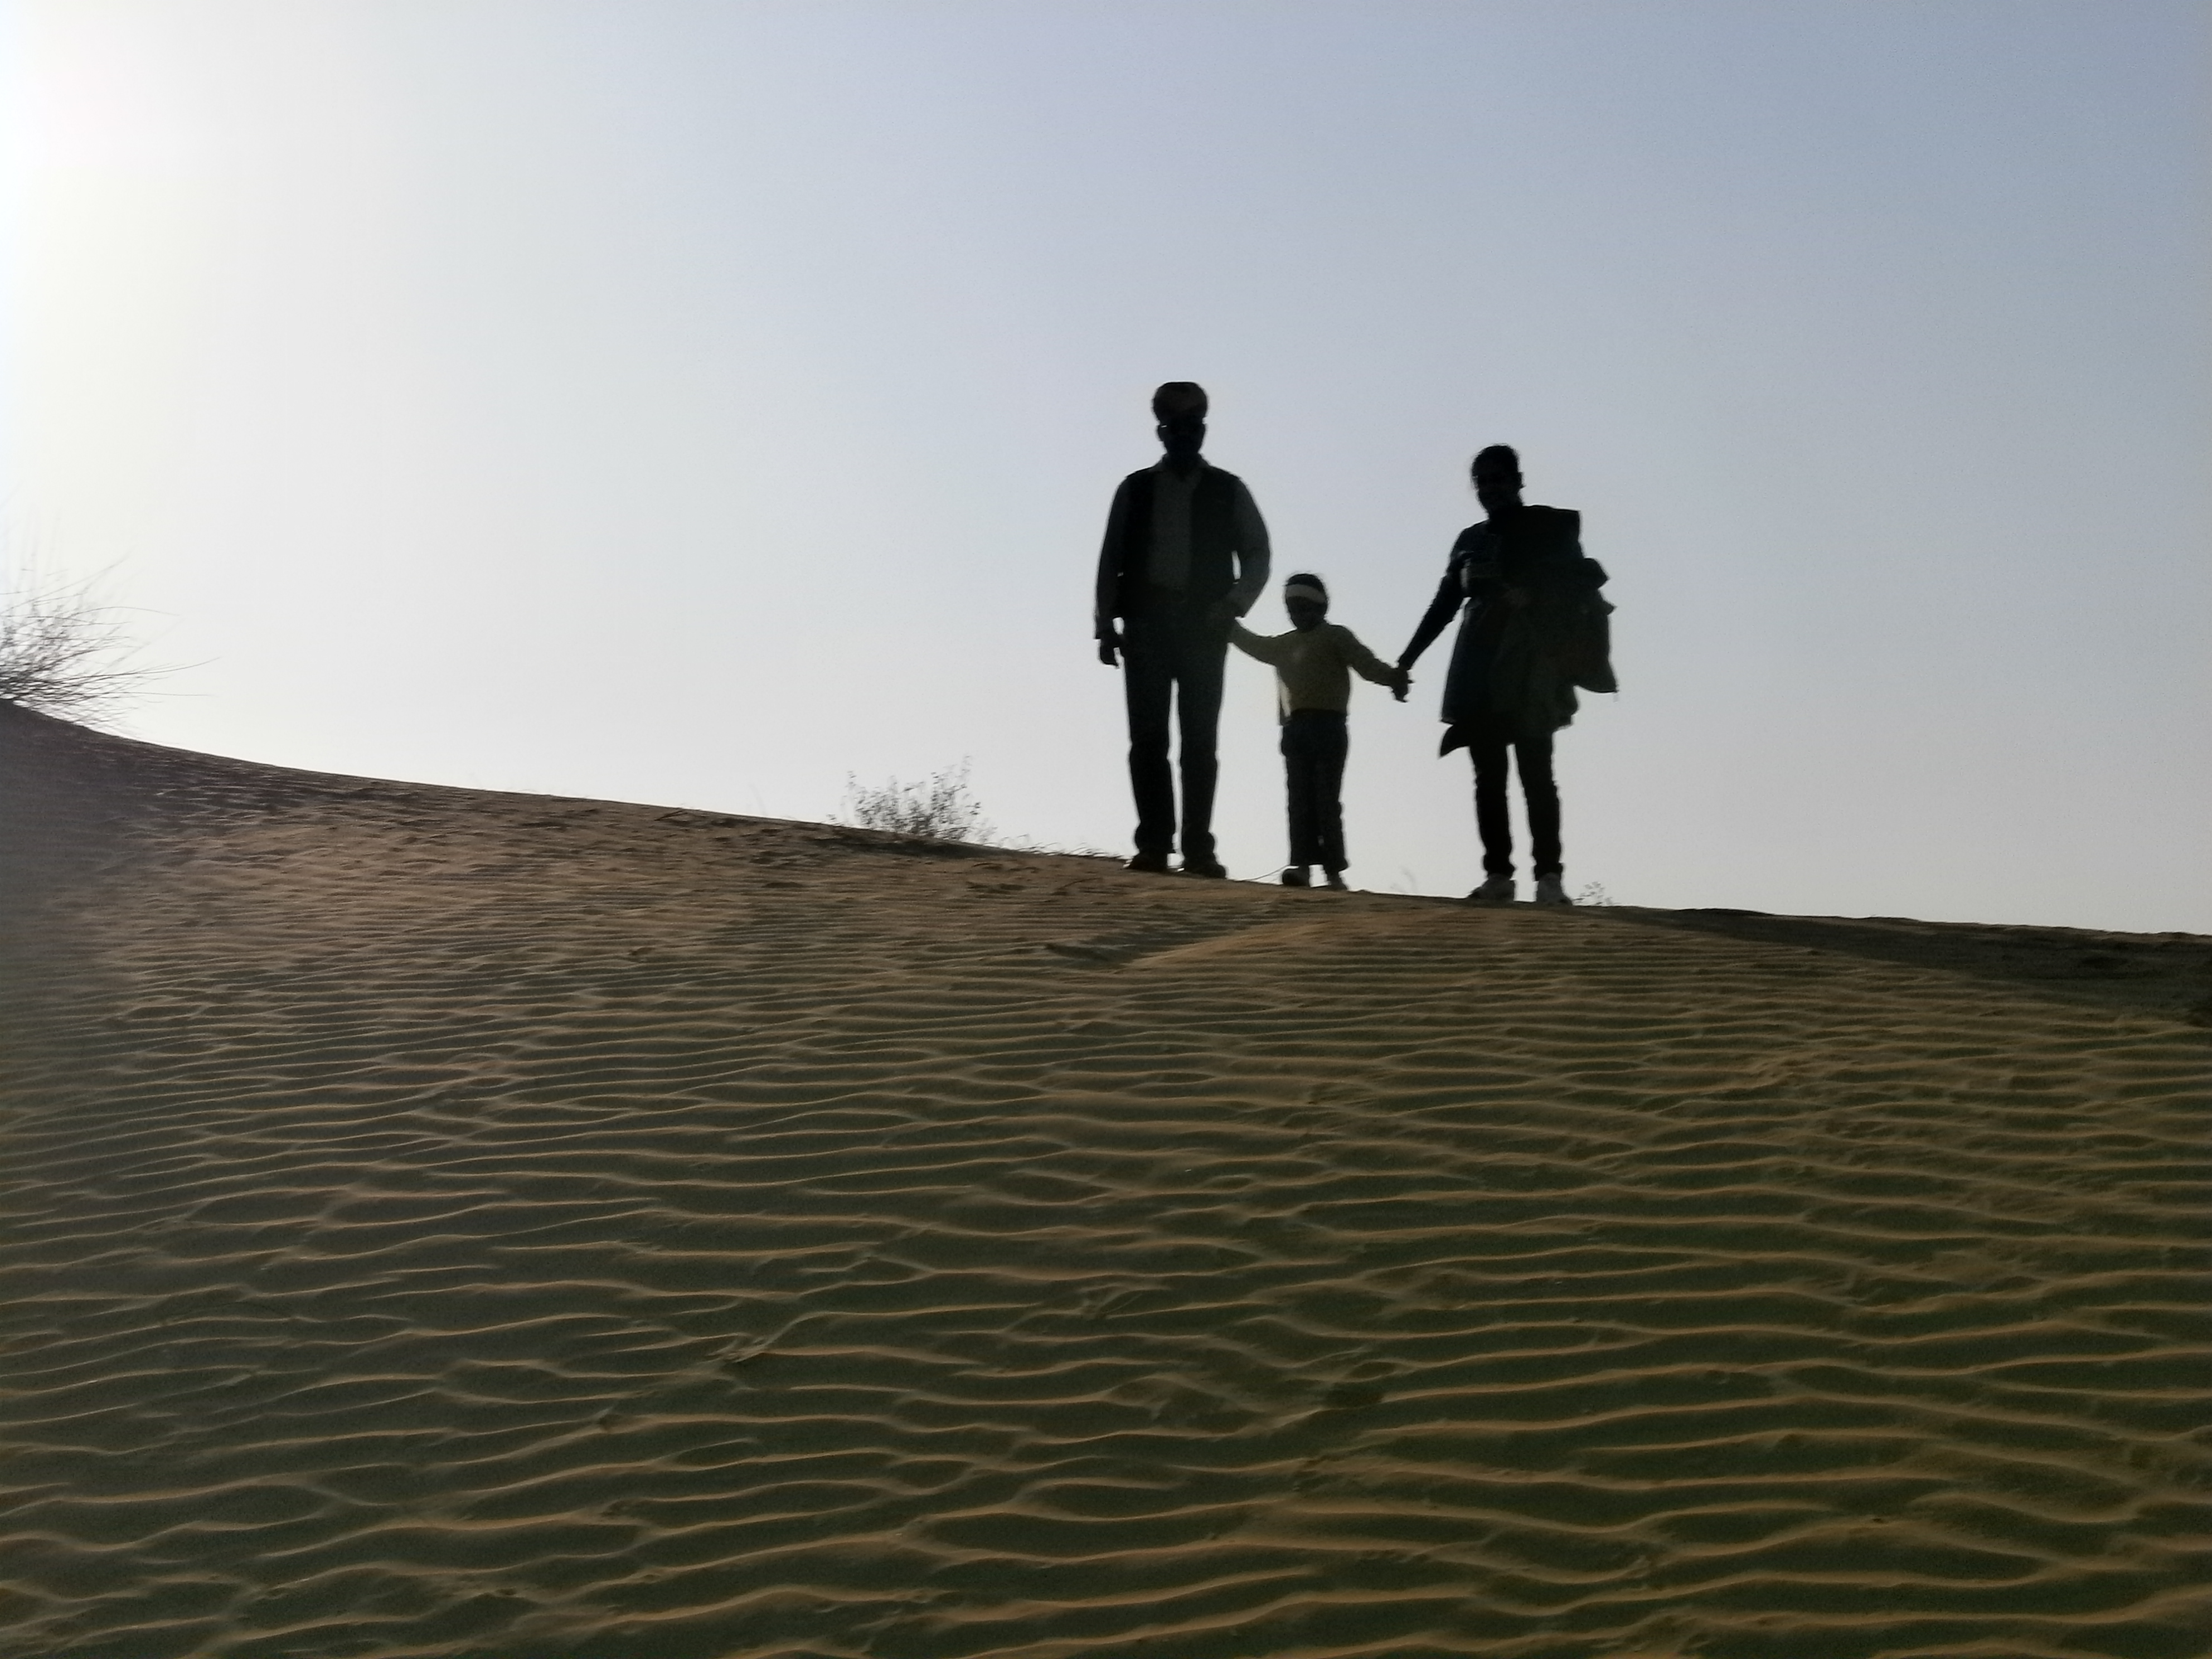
[(1522, 663), (1217, 554)]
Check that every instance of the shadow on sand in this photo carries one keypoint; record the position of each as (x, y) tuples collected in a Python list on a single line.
[(2168, 975)]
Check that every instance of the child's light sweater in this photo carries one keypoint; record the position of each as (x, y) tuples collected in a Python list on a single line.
[(1310, 665)]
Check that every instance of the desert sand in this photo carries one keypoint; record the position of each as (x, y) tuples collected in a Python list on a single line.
[(450, 1223)]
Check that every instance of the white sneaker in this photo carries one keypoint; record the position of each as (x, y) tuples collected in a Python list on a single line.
[(1495, 889), (1550, 891)]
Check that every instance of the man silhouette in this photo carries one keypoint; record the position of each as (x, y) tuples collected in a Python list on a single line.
[(1534, 631), (1185, 556)]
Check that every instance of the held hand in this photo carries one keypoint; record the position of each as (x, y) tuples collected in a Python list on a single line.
[(1399, 686), (1518, 598), (1221, 613)]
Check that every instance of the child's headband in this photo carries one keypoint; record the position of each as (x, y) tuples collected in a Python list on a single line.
[(1304, 591)]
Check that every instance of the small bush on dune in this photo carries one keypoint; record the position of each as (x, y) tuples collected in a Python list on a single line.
[(61, 653), (939, 807)]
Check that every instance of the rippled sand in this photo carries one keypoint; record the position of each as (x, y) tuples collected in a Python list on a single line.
[(447, 1223)]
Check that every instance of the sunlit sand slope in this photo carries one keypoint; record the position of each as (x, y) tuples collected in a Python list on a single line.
[(447, 1223)]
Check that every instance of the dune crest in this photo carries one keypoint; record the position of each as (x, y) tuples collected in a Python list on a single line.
[(444, 1222)]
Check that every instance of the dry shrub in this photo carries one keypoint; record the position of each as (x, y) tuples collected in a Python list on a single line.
[(939, 807), (63, 653)]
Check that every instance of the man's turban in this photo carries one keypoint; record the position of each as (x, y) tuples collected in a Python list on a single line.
[(1179, 398)]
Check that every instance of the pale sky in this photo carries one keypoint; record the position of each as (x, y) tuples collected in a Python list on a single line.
[(698, 402)]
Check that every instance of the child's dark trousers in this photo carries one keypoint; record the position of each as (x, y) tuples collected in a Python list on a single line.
[(1314, 744)]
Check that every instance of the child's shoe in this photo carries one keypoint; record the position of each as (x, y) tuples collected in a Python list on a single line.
[(1334, 882), (1496, 890), (1298, 875), (1550, 890)]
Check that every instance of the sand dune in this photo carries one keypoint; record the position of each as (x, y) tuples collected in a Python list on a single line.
[(450, 1223)]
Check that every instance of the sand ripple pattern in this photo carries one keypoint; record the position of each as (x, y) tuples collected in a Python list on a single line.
[(452, 1224)]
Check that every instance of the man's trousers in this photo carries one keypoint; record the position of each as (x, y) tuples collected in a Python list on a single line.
[(1172, 659), (1314, 744), (1489, 736)]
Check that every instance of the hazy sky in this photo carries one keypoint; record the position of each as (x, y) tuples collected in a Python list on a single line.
[(697, 403)]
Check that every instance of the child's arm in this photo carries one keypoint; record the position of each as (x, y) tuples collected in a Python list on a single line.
[(1256, 645), (1367, 666)]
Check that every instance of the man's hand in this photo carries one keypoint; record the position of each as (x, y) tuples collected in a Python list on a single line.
[(1221, 613), (1110, 642), (1399, 686), (1518, 598)]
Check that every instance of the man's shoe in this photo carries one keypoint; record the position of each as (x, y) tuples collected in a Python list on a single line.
[(1549, 891), (1335, 882), (1297, 876), (1148, 864), (1205, 867), (1495, 889)]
